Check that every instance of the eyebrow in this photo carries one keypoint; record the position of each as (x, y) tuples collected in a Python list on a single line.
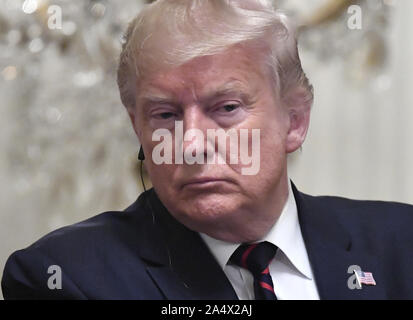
[(232, 87), (246, 97), (228, 88), (155, 99), (147, 100)]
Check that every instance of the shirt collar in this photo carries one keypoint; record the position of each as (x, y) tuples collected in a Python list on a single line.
[(285, 234)]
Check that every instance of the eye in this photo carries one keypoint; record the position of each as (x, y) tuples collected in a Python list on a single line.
[(228, 108), (165, 115), (229, 113)]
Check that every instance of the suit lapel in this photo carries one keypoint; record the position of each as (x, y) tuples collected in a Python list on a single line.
[(178, 260), (332, 251), (182, 267)]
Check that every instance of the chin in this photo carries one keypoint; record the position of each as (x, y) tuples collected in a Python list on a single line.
[(206, 209)]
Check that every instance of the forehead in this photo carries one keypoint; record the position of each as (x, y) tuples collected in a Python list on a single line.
[(234, 69)]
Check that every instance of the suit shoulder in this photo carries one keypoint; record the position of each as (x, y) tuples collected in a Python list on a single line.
[(372, 206), (92, 236), (391, 217), (101, 227), (91, 247), (378, 206)]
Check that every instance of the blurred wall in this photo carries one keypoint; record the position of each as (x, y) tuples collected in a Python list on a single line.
[(69, 151), (359, 142)]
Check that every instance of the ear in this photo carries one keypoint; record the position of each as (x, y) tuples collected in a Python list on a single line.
[(299, 107)]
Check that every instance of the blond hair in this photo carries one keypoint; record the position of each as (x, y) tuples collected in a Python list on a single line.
[(169, 33)]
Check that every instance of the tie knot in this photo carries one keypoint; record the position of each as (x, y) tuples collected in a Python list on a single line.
[(254, 257)]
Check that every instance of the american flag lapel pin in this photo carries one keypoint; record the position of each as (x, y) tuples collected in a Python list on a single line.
[(364, 278)]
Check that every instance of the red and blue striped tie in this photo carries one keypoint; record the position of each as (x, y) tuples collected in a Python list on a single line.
[(256, 258)]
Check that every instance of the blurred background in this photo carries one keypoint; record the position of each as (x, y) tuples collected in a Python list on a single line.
[(68, 150)]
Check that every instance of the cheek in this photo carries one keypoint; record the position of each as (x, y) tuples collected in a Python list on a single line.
[(160, 175), (273, 161), (272, 166), (274, 136), (270, 147), (273, 142), (273, 154)]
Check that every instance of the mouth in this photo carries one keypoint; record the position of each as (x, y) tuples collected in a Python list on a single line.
[(204, 182)]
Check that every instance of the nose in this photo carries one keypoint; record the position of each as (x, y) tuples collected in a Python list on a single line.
[(195, 125)]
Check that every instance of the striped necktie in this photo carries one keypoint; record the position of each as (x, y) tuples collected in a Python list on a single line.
[(256, 258)]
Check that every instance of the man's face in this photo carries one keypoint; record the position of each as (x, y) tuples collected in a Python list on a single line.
[(224, 91)]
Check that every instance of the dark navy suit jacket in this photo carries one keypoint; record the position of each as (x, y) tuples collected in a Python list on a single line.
[(144, 253)]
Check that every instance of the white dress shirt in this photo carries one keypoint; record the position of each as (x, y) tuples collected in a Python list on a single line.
[(290, 269)]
